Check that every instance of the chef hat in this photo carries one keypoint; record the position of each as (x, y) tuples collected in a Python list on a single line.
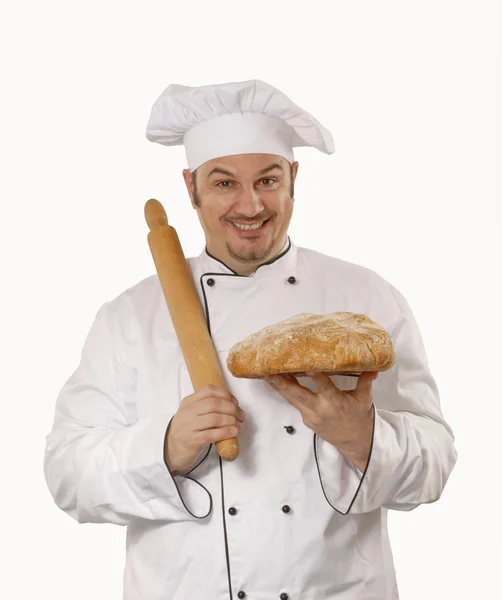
[(233, 118)]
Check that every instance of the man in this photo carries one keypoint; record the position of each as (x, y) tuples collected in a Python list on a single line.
[(301, 514)]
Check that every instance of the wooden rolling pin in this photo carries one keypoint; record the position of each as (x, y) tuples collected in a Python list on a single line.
[(185, 309)]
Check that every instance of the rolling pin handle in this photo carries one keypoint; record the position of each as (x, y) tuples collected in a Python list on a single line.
[(228, 449), (155, 214)]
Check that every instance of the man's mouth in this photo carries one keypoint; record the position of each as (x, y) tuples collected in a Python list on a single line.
[(250, 226)]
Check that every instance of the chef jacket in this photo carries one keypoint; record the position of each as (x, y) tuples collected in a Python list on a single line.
[(291, 518)]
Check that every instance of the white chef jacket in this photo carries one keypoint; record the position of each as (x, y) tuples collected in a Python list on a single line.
[(291, 518)]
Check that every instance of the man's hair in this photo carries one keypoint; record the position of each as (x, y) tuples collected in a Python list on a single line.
[(194, 182)]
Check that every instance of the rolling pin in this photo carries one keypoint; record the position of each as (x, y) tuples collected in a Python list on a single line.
[(185, 309)]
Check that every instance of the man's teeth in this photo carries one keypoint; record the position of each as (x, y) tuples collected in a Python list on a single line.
[(249, 227)]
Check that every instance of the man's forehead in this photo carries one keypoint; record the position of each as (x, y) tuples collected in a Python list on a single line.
[(243, 164)]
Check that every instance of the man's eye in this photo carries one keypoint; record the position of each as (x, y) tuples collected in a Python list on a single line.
[(223, 184), (268, 181)]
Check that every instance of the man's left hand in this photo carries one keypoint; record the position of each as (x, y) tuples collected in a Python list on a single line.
[(343, 418)]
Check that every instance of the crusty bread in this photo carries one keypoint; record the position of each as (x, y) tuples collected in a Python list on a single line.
[(338, 342)]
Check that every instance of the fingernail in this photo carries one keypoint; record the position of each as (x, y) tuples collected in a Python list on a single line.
[(274, 380)]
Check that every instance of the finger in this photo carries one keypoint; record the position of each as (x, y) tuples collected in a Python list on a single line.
[(210, 391), (292, 376), (284, 383), (224, 406), (323, 382), (292, 391), (217, 421), (212, 436), (363, 390)]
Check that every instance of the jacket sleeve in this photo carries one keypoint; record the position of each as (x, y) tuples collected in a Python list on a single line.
[(102, 463), (412, 453)]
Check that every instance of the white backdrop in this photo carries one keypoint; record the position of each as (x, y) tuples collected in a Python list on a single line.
[(411, 92)]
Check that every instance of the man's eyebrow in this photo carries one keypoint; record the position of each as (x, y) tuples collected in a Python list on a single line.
[(230, 174), (220, 170), (271, 168)]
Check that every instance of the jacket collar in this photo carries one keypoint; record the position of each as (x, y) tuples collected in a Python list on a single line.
[(284, 264)]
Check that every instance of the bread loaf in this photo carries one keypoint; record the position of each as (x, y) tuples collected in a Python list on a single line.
[(338, 342)]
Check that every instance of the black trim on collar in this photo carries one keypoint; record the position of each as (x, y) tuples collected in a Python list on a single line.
[(222, 263), (363, 476), (262, 265)]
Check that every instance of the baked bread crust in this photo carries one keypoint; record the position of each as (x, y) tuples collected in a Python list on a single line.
[(338, 342)]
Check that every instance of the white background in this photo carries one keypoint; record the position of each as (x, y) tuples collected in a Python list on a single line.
[(411, 92)]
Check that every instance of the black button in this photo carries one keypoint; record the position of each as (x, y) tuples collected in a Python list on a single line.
[(292, 280), (284, 596), (289, 428), (232, 511), (210, 282), (286, 508), (241, 594)]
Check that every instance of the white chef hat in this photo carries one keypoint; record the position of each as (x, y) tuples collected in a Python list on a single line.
[(233, 118)]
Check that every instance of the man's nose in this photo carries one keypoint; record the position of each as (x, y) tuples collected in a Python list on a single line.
[(249, 202)]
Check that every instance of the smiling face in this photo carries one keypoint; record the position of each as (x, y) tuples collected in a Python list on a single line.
[(244, 204)]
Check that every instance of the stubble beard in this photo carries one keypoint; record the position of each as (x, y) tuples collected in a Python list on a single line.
[(247, 256)]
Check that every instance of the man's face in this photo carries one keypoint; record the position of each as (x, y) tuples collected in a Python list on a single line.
[(244, 204)]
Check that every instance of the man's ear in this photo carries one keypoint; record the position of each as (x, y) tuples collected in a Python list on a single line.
[(295, 166), (187, 176)]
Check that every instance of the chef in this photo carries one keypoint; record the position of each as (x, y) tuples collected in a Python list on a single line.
[(301, 514)]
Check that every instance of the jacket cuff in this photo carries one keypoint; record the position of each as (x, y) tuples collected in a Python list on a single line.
[(188, 496), (340, 479)]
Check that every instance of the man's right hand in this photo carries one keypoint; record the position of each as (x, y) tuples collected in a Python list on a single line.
[(207, 416)]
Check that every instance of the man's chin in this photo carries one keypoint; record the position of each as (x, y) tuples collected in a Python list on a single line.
[(250, 256)]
